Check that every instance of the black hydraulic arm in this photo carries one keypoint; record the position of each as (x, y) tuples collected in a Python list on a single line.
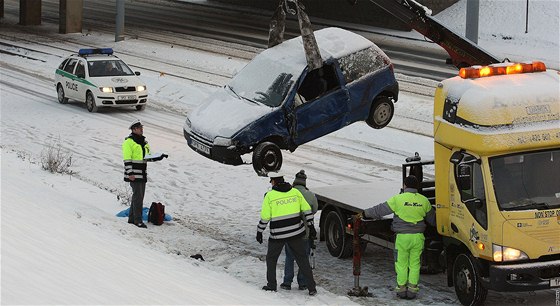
[(462, 51)]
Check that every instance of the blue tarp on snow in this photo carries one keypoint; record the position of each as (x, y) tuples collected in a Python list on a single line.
[(145, 212)]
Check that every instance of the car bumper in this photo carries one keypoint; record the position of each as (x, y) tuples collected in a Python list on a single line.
[(220, 154), (524, 277), (118, 100)]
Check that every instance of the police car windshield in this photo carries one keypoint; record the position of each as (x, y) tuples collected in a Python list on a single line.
[(108, 68)]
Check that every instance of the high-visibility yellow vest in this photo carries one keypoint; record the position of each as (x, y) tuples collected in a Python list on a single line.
[(133, 158), (286, 212), (410, 207)]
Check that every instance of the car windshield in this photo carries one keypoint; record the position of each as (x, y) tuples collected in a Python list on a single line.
[(527, 181), (264, 81), (108, 68)]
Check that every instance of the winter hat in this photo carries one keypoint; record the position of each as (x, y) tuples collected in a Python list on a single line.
[(301, 178), (411, 181)]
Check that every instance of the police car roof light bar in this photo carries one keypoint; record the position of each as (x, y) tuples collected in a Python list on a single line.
[(83, 52)]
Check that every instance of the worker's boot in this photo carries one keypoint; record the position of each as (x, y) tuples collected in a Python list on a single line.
[(401, 291), (411, 291)]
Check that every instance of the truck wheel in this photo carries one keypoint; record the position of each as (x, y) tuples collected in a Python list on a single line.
[(90, 103), (466, 276), (381, 112), (61, 96), (338, 242), (267, 157)]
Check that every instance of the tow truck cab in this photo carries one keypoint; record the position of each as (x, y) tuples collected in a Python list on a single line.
[(497, 166)]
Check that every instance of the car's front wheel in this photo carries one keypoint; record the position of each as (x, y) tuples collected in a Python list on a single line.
[(381, 112), (61, 95), (140, 107), (90, 103), (267, 157)]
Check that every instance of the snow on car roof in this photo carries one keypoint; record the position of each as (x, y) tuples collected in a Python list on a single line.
[(332, 42)]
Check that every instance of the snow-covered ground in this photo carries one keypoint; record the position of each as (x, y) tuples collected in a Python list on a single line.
[(61, 242)]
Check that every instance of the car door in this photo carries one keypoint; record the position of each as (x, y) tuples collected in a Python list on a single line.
[(321, 105), (81, 82), (69, 80)]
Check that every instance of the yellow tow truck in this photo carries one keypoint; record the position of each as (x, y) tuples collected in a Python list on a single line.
[(496, 189)]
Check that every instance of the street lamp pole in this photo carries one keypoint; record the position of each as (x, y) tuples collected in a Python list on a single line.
[(527, 18)]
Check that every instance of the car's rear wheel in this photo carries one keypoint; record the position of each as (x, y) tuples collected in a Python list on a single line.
[(90, 103), (381, 112), (140, 107), (61, 95), (267, 157)]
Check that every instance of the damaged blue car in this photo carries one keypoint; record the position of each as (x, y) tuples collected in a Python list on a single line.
[(276, 103)]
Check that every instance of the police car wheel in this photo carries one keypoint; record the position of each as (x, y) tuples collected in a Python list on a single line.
[(61, 96), (90, 103), (381, 112)]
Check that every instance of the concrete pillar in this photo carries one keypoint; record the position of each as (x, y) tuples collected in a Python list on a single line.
[(70, 16), (471, 29), (30, 12), (119, 21)]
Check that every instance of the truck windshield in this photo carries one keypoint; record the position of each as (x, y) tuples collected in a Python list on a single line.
[(527, 181), (264, 81)]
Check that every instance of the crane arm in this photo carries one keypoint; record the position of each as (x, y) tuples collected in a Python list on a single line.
[(462, 51)]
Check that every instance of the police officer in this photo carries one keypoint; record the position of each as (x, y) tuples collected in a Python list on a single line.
[(283, 207), (134, 148), (410, 209)]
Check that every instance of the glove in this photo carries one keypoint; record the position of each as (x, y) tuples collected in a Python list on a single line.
[(158, 158), (259, 237), (312, 233), (359, 215)]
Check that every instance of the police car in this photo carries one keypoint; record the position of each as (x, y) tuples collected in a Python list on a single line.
[(100, 79)]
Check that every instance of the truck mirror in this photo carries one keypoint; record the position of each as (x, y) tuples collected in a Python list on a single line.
[(456, 157)]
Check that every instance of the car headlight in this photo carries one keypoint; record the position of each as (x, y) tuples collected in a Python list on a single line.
[(141, 88), (221, 141), (501, 253), (106, 89)]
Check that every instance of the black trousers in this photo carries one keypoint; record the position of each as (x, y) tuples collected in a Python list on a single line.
[(137, 203), (297, 245)]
